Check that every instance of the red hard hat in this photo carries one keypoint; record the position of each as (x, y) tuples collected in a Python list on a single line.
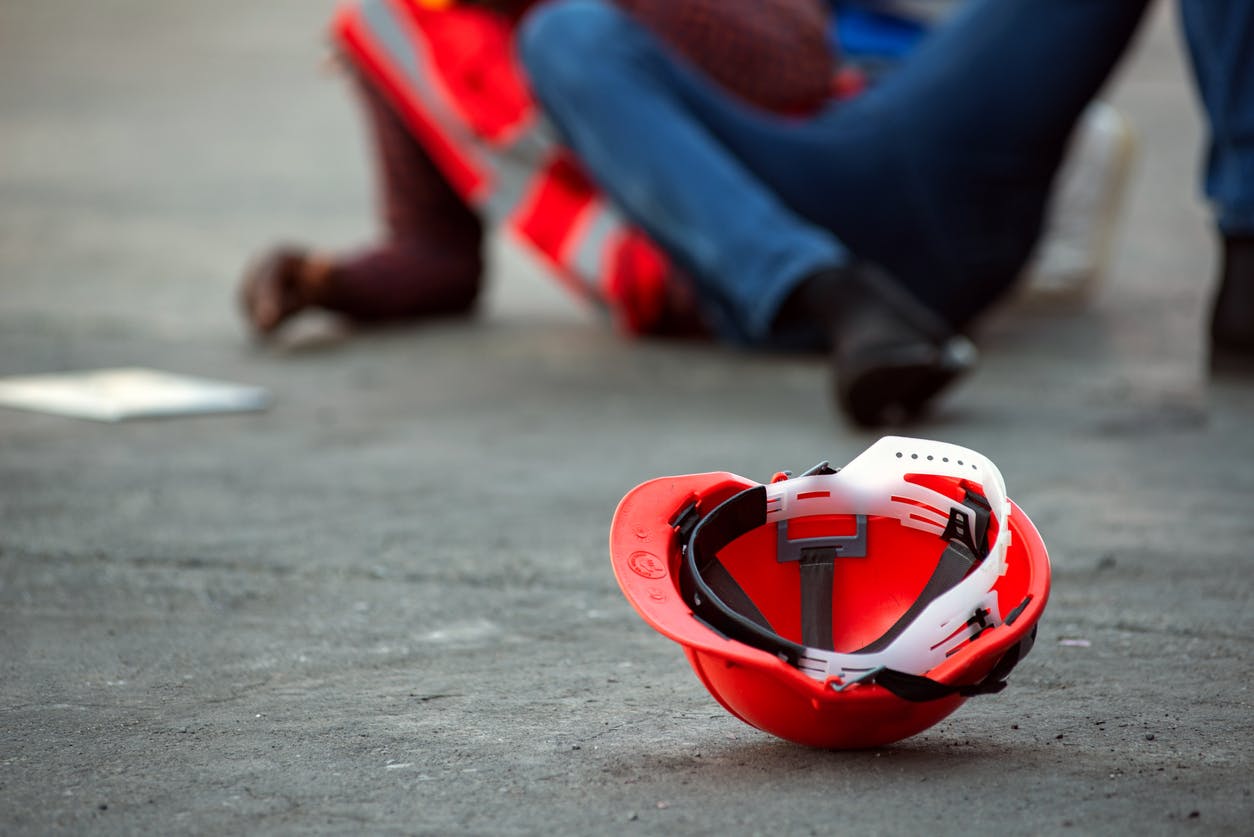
[(840, 609)]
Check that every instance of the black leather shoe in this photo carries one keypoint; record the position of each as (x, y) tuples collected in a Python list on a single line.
[(891, 356), (1232, 317)]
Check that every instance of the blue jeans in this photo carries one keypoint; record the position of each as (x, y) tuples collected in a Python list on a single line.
[(1220, 36), (940, 174)]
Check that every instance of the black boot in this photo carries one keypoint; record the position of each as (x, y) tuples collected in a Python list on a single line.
[(1232, 317), (890, 355)]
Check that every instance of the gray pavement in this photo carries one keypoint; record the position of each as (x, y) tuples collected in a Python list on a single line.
[(385, 605)]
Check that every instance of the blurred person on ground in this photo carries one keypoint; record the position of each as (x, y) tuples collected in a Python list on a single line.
[(461, 146), (889, 222), (764, 211)]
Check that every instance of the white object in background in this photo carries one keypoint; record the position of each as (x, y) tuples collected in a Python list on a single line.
[(118, 394), (1076, 245)]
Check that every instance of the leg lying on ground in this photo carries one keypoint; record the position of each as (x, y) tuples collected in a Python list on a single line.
[(429, 263)]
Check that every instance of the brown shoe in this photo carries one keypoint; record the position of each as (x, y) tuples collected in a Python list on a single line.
[(274, 289)]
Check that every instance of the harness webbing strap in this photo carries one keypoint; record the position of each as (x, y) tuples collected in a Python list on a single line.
[(954, 564), (742, 513), (733, 595), (818, 574), (919, 688)]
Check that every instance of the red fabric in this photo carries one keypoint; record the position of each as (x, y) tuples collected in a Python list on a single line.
[(636, 282), (471, 52), (549, 215), (772, 53), (561, 193), (353, 35)]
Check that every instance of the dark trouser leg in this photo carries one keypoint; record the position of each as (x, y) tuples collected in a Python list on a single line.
[(1220, 36), (429, 261)]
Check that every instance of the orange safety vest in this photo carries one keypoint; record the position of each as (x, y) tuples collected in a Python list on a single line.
[(453, 78)]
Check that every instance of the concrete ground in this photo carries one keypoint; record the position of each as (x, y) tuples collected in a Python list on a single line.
[(385, 605)]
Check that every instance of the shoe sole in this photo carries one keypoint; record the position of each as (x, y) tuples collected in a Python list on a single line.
[(897, 390)]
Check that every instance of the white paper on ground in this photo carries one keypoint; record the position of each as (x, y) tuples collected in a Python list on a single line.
[(118, 394)]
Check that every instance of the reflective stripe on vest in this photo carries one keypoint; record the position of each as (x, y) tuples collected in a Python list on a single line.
[(502, 158)]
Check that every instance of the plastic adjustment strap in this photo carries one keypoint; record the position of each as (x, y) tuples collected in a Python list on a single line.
[(882, 470), (821, 548), (684, 521)]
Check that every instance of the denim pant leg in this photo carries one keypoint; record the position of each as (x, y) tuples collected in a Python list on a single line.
[(1220, 36), (940, 174), (627, 107), (969, 133)]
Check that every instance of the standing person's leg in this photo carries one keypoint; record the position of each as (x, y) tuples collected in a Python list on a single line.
[(1220, 36), (428, 263)]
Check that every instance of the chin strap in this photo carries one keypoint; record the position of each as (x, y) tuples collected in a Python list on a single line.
[(919, 689)]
